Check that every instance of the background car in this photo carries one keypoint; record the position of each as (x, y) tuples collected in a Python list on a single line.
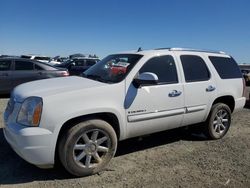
[(245, 70), (58, 60), (79, 65), (44, 59), (15, 71)]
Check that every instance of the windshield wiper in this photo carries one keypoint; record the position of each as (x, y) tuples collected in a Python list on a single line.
[(96, 77)]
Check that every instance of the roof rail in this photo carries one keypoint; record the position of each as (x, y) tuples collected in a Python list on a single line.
[(162, 48), (196, 50)]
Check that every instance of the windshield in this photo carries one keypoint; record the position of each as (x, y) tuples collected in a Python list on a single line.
[(113, 68)]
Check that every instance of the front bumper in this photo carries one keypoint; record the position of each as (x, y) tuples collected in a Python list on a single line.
[(33, 144)]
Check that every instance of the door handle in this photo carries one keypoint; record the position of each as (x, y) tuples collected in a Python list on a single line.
[(210, 88), (174, 93)]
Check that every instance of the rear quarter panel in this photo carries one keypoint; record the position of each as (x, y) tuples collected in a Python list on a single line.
[(225, 87)]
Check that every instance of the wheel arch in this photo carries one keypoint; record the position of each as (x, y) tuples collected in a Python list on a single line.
[(228, 100), (111, 118)]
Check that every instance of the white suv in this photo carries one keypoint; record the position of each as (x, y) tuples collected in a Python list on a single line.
[(81, 119)]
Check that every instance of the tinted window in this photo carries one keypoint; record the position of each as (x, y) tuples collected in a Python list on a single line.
[(163, 67), (194, 68), (42, 58), (24, 65), (226, 67), (5, 65), (25, 56), (79, 63)]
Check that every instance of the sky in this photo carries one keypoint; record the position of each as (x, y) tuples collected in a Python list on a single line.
[(101, 27)]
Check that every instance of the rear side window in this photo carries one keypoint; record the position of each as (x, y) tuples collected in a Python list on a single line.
[(24, 65), (79, 63), (5, 65), (164, 67), (226, 67), (194, 68)]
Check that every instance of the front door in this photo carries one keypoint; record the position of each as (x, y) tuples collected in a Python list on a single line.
[(156, 107)]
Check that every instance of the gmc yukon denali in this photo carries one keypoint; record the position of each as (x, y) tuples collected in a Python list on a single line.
[(81, 119)]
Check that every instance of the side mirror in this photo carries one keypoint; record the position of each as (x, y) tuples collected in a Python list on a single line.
[(145, 79)]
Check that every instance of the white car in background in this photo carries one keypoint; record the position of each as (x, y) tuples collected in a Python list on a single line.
[(81, 119), (44, 59)]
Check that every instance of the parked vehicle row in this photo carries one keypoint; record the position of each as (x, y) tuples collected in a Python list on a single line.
[(15, 71), (78, 65), (245, 70), (43, 59), (81, 119)]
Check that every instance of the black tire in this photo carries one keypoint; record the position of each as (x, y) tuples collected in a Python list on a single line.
[(216, 126), (104, 144)]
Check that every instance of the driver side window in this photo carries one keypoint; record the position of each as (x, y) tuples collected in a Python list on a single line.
[(164, 67)]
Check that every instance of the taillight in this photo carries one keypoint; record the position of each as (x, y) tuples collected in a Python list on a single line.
[(65, 73), (244, 88)]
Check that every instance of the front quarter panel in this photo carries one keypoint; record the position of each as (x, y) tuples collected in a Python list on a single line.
[(58, 109)]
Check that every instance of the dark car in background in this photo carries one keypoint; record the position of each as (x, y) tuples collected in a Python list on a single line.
[(79, 65), (15, 71), (245, 70)]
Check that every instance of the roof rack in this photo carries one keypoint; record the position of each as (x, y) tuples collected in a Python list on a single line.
[(190, 49)]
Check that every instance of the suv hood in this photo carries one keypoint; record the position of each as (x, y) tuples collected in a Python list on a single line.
[(52, 86)]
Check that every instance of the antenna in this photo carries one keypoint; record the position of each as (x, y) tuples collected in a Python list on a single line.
[(139, 49)]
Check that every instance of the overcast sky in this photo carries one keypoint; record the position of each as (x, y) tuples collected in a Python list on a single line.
[(63, 27)]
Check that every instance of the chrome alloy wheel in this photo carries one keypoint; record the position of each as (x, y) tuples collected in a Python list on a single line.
[(91, 147), (221, 121)]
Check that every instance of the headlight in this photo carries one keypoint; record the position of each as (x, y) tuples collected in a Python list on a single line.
[(30, 112)]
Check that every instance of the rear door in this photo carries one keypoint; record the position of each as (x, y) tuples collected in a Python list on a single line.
[(5, 76), (199, 87), (23, 72)]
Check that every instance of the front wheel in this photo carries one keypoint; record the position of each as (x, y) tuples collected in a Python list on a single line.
[(218, 122), (87, 147)]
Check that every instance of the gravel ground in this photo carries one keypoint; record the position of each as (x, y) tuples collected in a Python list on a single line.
[(168, 159)]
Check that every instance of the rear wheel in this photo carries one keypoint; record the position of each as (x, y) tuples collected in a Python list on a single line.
[(88, 147), (218, 122)]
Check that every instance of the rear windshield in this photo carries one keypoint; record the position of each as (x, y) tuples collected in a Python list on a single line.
[(42, 58), (25, 56), (226, 67)]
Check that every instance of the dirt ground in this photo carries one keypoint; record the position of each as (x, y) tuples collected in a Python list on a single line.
[(168, 159)]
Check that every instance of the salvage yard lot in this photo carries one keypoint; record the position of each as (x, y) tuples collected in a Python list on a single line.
[(168, 159)]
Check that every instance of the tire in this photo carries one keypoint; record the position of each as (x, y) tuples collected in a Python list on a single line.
[(218, 121), (87, 147)]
